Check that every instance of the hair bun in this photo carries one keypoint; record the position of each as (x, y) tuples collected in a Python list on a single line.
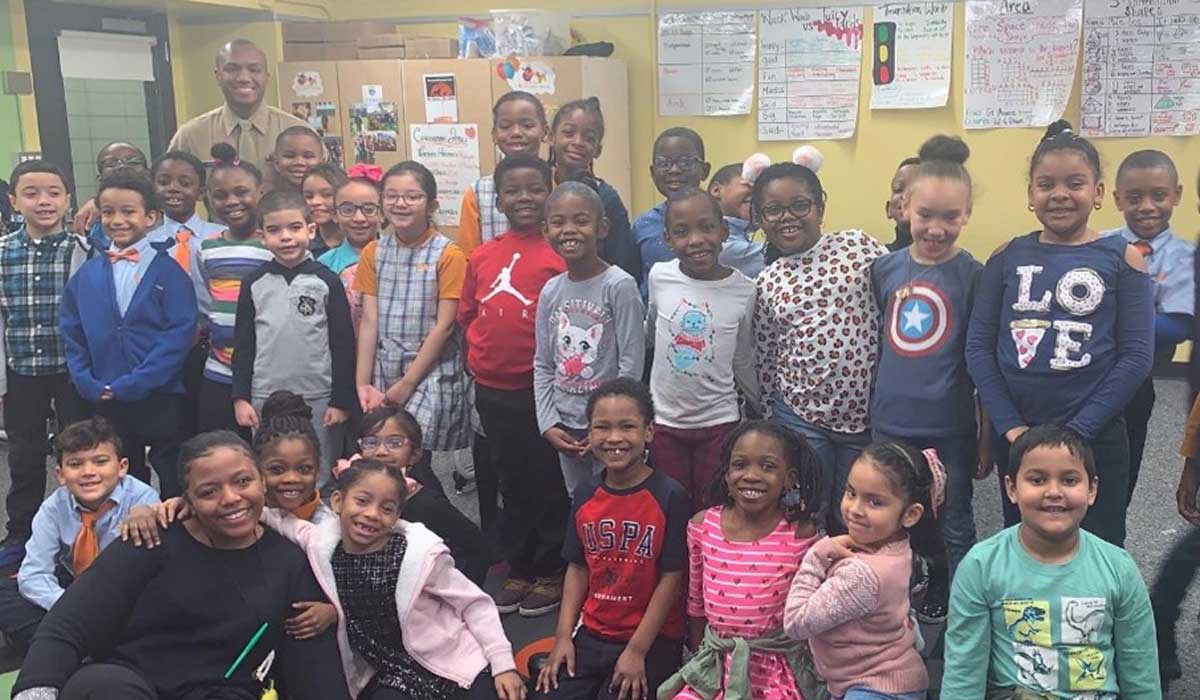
[(224, 153), (1062, 126), (754, 166), (943, 147), (809, 157), (285, 404)]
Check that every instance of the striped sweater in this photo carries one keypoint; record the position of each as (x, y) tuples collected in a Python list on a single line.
[(224, 264)]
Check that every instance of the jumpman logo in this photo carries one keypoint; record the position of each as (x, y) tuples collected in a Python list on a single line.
[(503, 283)]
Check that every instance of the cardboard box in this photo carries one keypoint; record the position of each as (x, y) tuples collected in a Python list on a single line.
[(430, 47), (385, 52), (332, 32), (329, 51), (379, 41)]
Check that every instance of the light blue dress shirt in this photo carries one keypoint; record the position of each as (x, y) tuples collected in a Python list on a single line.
[(127, 274), (648, 232), (55, 527), (1171, 267), (163, 238), (739, 251)]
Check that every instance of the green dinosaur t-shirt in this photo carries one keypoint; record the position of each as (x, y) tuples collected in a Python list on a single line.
[(1082, 630)]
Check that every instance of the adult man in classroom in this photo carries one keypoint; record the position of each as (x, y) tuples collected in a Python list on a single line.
[(243, 121)]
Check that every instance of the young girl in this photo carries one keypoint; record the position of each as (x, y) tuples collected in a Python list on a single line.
[(392, 435), (518, 127), (234, 188), (320, 186), (358, 212), (289, 454), (575, 143), (622, 599), (410, 352), (678, 163), (923, 393), (816, 321), (894, 206), (1091, 296), (850, 598), (742, 556), (297, 150), (700, 324), (409, 624), (589, 328)]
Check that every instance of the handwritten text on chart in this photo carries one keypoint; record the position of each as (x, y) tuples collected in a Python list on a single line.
[(1020, 61), (706, 63), (911, 55), (1141, 68), (809, 69)]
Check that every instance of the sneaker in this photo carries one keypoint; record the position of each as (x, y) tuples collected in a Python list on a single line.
[(511, 595), (545, 597), (462, 483), (12, 551)]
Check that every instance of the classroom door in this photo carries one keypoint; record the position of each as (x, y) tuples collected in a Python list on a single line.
[(100, 74)]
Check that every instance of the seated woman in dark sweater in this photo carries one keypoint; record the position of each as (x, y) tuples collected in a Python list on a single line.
[(172, 622)]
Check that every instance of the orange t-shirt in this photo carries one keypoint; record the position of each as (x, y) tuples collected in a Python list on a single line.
[(470, 232)]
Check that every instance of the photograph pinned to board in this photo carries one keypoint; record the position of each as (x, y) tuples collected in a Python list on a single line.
[(912, 55), (706, 63), (531, 76), (1020, 62), (317, 115), (441, 99), (307, 83), (809, 65), (451, 152), (375, 129), (335, 150)]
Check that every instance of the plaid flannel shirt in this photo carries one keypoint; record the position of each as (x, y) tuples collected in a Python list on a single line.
[(32, 277)]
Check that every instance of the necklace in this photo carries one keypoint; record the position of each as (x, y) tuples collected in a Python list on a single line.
[(906, 289)]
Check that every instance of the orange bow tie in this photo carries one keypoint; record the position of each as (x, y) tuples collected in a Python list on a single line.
[(183, 248), (130, 254), (1144, 248)]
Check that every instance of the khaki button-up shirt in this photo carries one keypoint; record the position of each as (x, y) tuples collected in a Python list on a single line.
[(254, 138)]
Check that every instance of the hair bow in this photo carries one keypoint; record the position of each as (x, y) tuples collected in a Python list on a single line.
[(374, 173), (344, 464), (806, 155)]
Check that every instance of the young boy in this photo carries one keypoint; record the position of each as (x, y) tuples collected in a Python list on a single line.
[(1147, 192), (498, 309), (1179, 567), (78, 520), (678, 162), (589, 327), (627, 552), (118, 154), (1059, 612), (129, 319), (740, 251), (700, 323), (179, 183), (293, 330), (894, 206), (36, 261)]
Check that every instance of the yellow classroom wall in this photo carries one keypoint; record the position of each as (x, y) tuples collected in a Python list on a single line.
[(857, 171)]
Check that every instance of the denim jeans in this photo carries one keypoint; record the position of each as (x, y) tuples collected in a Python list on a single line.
[(956, 517), (862, 692), (837, 452)]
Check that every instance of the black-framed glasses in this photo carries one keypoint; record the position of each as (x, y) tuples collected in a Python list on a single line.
[(684, 163), (347, 209), (410, 198), (112, 163), (392, 442), (800, 208)]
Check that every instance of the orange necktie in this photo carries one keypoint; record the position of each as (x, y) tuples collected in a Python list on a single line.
[(130, 254), (183, 248), (87, 543), (1144, 248)]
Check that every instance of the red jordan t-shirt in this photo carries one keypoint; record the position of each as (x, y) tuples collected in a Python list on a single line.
[(627, 539)]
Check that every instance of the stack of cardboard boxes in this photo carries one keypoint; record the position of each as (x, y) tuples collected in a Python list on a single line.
[(359, 39)]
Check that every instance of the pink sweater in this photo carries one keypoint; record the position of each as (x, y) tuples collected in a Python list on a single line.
[(854, 615)]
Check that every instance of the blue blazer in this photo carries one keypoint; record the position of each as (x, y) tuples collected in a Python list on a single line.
[(140, 354)]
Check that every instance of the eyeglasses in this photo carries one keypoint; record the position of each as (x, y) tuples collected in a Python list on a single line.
[(122, 162), (799, 208), (409, 198), (372, 444), (684, 163), (347, 209)]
